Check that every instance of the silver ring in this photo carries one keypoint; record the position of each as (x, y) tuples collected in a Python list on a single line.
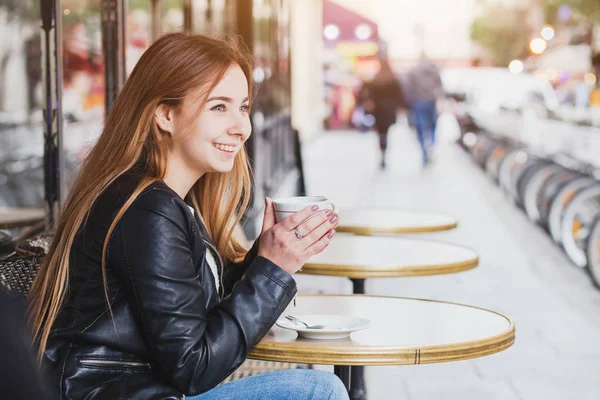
[(299, 235)]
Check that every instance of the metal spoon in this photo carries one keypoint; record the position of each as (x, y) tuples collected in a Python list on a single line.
[(299, 321)]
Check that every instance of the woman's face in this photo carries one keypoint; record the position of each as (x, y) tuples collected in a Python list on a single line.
[(218, 132)]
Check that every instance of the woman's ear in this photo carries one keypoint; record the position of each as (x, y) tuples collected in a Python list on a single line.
[(164, 118)]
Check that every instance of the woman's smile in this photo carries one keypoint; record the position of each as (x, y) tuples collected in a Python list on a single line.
[(225, 147)]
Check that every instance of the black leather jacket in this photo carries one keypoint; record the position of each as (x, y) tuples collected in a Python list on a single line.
[(173, 333)]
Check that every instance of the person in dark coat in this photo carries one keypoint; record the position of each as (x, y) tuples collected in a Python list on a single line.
[(382, 98)]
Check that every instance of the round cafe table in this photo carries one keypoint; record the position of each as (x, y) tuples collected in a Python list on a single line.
[(361, 257), (403, 332), (12, 217), (371, 221)]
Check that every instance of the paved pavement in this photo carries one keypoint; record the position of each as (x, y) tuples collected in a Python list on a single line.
[(521, 273)]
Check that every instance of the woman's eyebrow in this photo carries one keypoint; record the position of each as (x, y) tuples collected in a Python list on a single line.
[(225, 99)]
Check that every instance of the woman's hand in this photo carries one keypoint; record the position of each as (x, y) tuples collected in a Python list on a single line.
[(291, 242)]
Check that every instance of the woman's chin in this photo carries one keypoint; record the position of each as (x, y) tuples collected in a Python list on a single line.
[(223, 168)]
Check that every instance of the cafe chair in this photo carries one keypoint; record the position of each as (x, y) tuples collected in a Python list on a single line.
[(6, 244), (17, 274)]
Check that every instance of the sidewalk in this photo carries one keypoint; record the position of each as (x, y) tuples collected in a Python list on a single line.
[(521, 273)]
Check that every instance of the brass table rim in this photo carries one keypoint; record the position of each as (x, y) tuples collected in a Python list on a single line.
[(379, 271), (375, 230), (371, 230), (388, 355)]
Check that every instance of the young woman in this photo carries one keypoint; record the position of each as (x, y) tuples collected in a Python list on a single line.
[(144, 293)]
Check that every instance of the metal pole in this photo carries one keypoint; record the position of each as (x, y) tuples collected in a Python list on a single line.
[(244, 24), (113, 41), (52, 72), (344, 373), (155, 20), (187, 16), (358, 390)]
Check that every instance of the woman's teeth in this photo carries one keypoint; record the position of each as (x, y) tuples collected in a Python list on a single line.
[(224, 147)]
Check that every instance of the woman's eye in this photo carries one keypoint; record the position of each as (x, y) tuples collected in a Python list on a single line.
[(219, 107), (244, 108)]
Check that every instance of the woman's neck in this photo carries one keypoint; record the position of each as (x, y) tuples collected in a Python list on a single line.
[(179, 178)]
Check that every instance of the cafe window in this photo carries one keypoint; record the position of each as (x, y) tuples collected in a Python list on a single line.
[(271, 53), (21, 100), (213, 16), (171, 16), (83, 82), (139, 31)]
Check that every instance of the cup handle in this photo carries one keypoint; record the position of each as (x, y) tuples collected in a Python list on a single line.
[(333, 207)]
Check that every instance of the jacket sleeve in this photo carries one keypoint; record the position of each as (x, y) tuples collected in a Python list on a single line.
[(195, 348), (233, 272)]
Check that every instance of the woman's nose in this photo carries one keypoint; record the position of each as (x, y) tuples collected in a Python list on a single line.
[(240, 125)]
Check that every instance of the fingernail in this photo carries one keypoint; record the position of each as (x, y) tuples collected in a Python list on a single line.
[(315, 207), (328, 213), (330, 235), (333, 219)]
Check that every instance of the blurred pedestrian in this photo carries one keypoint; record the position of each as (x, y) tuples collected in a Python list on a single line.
[(382, 98), (425, 88)]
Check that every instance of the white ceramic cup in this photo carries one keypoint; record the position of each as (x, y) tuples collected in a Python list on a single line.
[(284, 207)]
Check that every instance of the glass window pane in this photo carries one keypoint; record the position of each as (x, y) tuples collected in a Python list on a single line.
[(21, 99), (139, 31), (200, 16), (83, 82), (171, 12), (213, 16)]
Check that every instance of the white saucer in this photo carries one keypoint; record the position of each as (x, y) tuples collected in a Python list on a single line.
[(336, 326)]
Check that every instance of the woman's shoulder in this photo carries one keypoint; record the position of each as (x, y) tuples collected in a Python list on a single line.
[(159, 198)]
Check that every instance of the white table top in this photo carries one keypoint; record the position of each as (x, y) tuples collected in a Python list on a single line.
[(403, 331), (369, 256), (388, 221), (13, 217)]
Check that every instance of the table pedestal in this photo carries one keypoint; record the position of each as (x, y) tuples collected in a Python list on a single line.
[(343, 372), (358, 391)]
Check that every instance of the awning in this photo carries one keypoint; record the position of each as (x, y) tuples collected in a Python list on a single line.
[(352, 27)]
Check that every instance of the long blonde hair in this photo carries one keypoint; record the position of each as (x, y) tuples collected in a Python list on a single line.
[(175, 64)]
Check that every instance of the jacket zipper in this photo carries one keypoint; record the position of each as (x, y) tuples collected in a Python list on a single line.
[(219, 269), (94, 362)]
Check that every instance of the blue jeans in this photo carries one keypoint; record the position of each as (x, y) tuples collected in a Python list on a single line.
[(425, 114), (289, 384)]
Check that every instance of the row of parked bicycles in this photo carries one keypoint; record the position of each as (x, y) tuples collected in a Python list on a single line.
[(560, 194)]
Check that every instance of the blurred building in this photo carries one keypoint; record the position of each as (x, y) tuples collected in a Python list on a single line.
[(308, 105), (441, 28), (351, 46)]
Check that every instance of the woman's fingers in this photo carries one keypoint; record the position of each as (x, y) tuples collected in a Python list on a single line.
[(285, 247), (291, 222), (316, 227), (321, 244), (307, 226)]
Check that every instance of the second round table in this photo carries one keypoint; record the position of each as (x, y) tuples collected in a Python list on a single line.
[(376, 221)]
